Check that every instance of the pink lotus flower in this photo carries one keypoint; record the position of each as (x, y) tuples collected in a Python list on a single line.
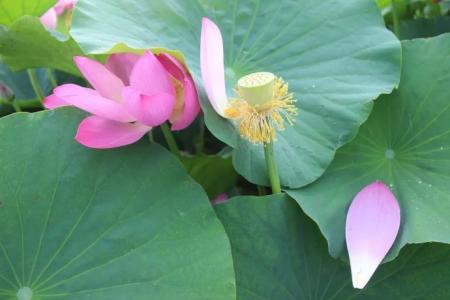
[(50, 18), (373, 220), (131, 95)]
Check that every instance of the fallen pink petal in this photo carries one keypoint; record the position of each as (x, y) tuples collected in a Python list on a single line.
[(373, 221)]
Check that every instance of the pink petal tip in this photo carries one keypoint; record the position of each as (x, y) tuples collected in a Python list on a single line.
[(89, 100), (212, 65), (373, 221), (50, 19), (52, 101), (106, 83), (100, 133)]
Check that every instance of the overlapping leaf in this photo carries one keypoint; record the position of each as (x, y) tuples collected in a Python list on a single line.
[(78, 223), (279, 253)]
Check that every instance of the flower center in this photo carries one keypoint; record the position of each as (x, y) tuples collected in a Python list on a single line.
[(256, 88), (262, 105)]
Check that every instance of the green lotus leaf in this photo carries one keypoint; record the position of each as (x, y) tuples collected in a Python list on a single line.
[(78, 223)]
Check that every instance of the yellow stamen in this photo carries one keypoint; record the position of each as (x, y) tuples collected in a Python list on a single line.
[(258, 122), (232, 113)]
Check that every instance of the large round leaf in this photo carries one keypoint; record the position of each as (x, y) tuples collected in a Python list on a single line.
[(406, 144), (77, 223), (336, 55), (279, 253)]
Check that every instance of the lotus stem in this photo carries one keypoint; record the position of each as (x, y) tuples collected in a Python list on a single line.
[(35, 84), (272, 168), (170, 139)]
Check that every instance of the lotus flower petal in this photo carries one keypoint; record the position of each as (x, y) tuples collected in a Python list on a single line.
[(52, 101), (50, 19), (63, 5), (102, 80), (121, 64), (149, 110), (100, 133), (212, 68), (187, 105), (150, 77), (90, 101), (189, 111), (373, 220), (173, 66)]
